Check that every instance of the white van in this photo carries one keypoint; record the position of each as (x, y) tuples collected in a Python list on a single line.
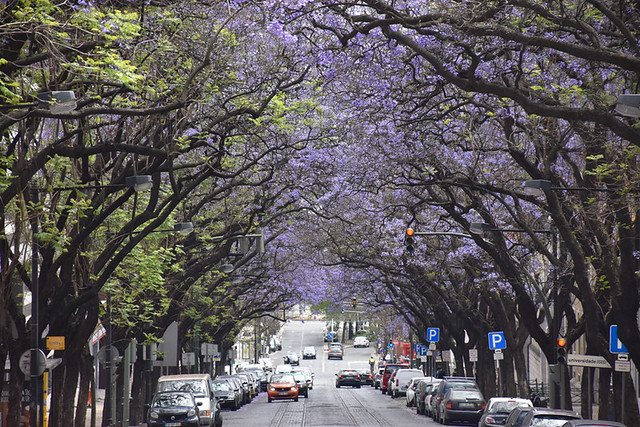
[(200, 385)]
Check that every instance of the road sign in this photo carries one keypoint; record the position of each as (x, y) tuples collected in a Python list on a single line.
[(423, 350), (588, 361), (217, 357), (433, 334), (473, 355), (329, 335), (114, 355), (615, 345), (498, 354), (497, 341), (189, 358), (55, 342), (25, 362)]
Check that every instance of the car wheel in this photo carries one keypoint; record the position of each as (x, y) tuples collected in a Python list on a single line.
[(382, 390), (295, 400), (306, 393), (269, 400), (337, 385)]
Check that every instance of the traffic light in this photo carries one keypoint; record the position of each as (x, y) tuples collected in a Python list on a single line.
[(409, 240), (354, 303), (562, 350)]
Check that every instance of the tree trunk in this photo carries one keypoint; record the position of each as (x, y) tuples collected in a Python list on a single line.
[(17, 384), (138, 389), (604, 395), (86, 376)]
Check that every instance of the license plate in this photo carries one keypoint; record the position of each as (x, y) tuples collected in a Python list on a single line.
[(283, 393), (172, 424), (467, 405)]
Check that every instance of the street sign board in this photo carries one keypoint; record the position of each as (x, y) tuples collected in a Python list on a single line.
[(421, 349), (433, 334), (623, 366), (587, 361), (473, 355), (55, 342), (25, 362), (498, 355), (497, 341), (217, 357), (615, 345), (189, 358)]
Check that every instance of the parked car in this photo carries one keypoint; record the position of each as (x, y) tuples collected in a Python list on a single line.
[(411, 390), (516, 416), (238, 385), (444, 386), (377, 378), (226, 395), (423, 394), (430, 399), (335, 352), (401, 379), (200, 385), (259, 372), (365, 376), (360, 342), (548, 417), (461, 404), (309, 353), (248, 381), (592, 423), (282, 386), (292, 358), (348, 377), (389, 369), (499, 408), (303, 385), (173, 408)]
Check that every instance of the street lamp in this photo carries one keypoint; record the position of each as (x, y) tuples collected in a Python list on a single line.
[(56, 101), (628, 105), (538, 187), (482, 229)]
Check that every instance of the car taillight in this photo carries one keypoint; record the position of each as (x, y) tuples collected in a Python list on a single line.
[(483, 406), (397, 383), (448, 406)]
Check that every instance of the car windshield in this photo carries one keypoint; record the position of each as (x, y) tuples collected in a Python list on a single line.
[(348, 373), (556, 421), (464, 394), (221, 386), (505, 407), (194, 386), (172, 399), (282, 378), (299, 376)]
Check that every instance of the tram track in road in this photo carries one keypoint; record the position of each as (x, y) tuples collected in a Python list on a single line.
[(366, 416)]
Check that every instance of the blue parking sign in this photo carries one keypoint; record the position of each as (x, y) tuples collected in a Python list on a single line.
[(497, 341), (433, 334), (615, 345)]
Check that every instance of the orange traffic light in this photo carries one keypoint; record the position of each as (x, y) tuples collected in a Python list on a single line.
[(409, 240), (562, 350)]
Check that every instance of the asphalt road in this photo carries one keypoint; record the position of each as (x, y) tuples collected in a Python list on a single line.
[(326, 405)]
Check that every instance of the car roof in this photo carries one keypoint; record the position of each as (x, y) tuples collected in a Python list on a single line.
[(184, 377)]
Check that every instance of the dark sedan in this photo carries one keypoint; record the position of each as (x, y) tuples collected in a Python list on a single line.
[(226, 395), (461, 405), (365, 376), (348, 377), (173, 408)]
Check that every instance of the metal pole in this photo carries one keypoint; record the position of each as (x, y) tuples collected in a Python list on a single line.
[(624, 377), (34, 405)]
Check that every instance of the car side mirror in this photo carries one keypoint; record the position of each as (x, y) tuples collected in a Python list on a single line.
[(199, 403)]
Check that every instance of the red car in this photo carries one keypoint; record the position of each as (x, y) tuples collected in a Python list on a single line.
[(389, 369), (282, 386)]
